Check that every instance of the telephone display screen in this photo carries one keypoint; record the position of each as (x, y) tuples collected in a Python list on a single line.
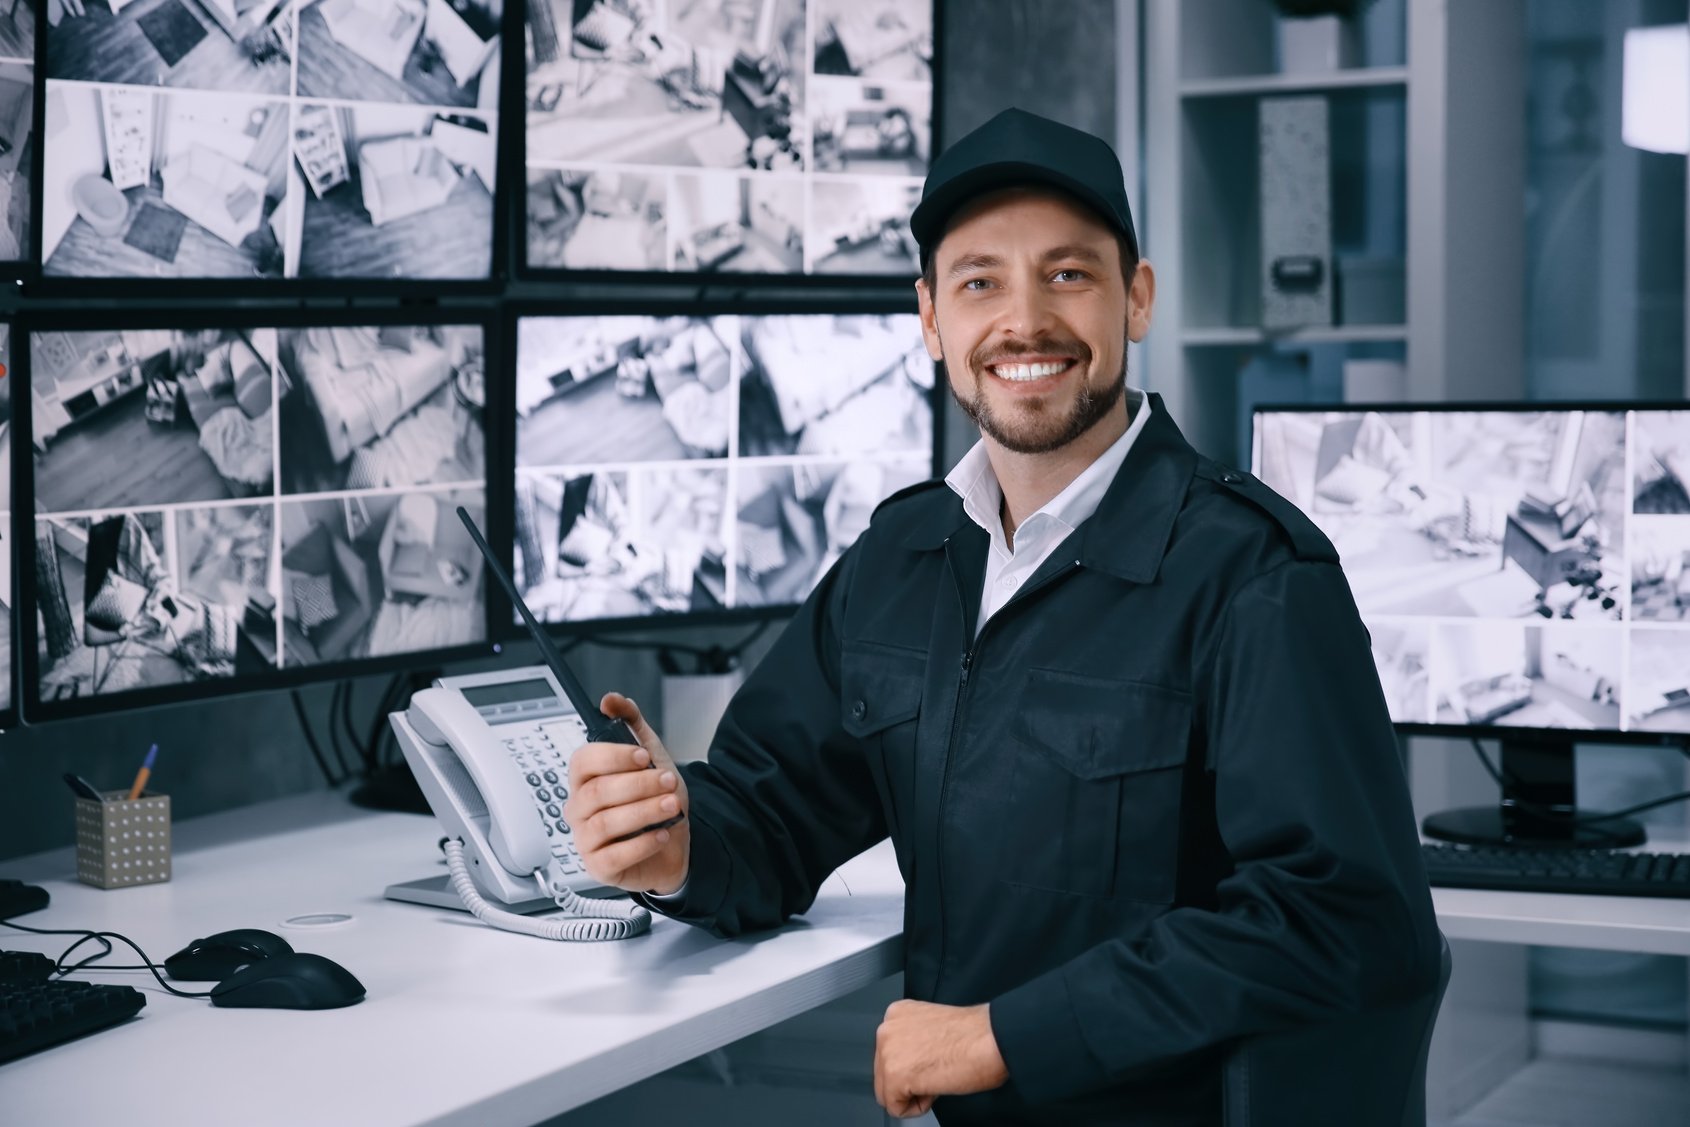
[(508, 692)]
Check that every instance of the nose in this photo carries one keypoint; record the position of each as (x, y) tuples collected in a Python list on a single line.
[(1028, 312)]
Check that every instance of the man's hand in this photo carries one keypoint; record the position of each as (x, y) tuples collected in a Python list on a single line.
[(923, 1051), (615, 794)]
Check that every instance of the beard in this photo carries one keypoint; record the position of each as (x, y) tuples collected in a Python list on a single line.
[(1041, 428)]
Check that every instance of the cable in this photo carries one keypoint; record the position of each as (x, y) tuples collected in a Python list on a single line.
[(1584, 820), (311, 739), (103, 936), (592, 920)]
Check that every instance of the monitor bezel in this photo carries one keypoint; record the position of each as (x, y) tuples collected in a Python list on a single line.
[(1503, 732), (516, 79), (11, 713), (35, 709), (40, 284), (501, 496)]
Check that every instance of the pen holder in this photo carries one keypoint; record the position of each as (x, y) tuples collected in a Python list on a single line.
[(120, 842)]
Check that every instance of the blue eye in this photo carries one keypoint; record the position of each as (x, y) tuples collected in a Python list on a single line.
[(976, 284), (1078, 275)]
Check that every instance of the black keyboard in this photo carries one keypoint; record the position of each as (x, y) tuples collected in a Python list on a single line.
[(1604, 872), (36, 1011)]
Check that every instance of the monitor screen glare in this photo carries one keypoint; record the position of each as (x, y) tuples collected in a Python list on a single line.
[(668, 465), (222, 503), (1519, 568)]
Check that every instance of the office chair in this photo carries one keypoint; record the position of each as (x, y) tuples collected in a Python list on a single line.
[(1367, 1069)]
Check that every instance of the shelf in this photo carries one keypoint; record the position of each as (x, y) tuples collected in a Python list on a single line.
[(1229, 336), (1251, 84)]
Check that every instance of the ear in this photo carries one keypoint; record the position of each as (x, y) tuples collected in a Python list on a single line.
[(929, 320), (1141, 296)]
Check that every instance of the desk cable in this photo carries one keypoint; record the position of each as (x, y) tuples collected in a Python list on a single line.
[(104, 938), (588, 920)]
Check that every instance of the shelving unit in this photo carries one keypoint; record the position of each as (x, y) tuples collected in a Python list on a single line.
[(1424, 192)]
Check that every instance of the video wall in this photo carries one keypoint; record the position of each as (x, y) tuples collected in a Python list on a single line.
[(1525, 568), (219, 504), (270, 139), (233, 499), (768, 137), (685, 464)]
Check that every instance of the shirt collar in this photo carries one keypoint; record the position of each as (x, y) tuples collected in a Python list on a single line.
[(982, 498)]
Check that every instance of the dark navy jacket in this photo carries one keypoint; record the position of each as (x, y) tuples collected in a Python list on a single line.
[(1155, 806)]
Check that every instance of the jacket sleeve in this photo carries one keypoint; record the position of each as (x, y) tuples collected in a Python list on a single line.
[(785, 797), (1326, 910)]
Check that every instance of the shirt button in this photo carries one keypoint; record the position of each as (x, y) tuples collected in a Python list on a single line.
[(1008, 581), (859, 709)]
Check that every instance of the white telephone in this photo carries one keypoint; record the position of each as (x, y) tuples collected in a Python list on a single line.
[(491, 753)]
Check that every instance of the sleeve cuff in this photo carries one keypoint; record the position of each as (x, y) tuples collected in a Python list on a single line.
[(1039, 1038), (709, 876)]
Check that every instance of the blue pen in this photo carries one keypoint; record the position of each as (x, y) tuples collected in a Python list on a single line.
[(141, 775)]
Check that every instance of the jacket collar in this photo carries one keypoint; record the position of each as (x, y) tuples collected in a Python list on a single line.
[(1128, 534)]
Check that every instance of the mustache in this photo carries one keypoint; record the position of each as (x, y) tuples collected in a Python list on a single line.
[(1076, 350)]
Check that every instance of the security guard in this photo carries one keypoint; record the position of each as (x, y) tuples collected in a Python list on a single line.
[(1112, 702)]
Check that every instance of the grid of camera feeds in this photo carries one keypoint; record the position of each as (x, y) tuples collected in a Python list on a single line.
[(267, 139), (770, 137), (673, 465), (1518, 568), (17, 129), (223, 503)]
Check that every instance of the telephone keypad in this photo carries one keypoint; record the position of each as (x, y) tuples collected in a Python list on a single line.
[(536, 754)]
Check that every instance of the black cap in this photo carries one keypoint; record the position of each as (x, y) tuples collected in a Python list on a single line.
[(1017, 147)]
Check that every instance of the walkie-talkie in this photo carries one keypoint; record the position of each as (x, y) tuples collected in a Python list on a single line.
[(600, 728)]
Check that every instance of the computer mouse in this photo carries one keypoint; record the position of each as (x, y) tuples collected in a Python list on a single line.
[(216, 957), (289, 982)]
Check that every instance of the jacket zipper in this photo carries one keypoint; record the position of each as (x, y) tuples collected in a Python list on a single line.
[(950, 751)]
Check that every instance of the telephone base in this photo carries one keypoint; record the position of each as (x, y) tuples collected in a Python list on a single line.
[(437, 892)]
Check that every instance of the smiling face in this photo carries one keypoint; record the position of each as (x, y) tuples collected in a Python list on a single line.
[(1027, 304)]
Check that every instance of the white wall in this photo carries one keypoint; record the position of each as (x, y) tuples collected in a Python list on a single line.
[(72, 112)]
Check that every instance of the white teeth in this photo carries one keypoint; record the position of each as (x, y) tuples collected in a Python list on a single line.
[(1020, 373)]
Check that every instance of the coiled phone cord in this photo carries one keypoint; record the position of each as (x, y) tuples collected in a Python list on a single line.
[(589, 920)]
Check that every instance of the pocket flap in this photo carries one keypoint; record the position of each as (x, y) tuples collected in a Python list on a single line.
[(879, 686), (1095, 728)]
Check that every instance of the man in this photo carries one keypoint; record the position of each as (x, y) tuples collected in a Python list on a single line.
[(1112, 702)]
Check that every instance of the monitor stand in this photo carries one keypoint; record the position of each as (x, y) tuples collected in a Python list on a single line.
[(1538, 771)]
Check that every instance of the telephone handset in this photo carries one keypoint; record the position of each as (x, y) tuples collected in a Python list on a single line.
[(505, 824)]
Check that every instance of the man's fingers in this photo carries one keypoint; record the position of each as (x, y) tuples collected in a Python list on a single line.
[(622, 708), (590, 761), (620, 856), (615, 822), (624, 787)]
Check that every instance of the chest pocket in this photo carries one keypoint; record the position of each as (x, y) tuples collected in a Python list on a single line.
[(1095, 804), (880, 698)]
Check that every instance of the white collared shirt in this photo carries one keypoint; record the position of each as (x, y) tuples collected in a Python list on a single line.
[(1038, 536)]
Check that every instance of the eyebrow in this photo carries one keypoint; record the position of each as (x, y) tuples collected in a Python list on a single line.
[(1073, 250), (969, 263)]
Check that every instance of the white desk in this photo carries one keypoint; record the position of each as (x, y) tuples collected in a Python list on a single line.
[(1543, 919), (462, 1024)]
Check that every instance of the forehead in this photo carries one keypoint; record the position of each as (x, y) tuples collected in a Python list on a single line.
[(1021, 218)]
